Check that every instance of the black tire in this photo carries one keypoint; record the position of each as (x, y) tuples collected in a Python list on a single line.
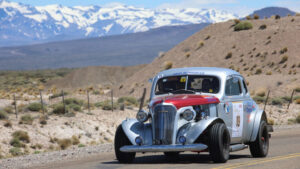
[(260, 147), (171, 155), (120, 141), (219, 143)]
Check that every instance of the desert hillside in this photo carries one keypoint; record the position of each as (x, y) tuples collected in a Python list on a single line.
[(267, 55)]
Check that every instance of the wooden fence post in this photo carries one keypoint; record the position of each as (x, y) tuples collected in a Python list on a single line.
[(15, 104), (88, 99), (291, 100), (42, 103), (63, 100), (112, 100), (267, 100)]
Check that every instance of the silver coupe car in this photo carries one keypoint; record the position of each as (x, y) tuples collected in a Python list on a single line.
[(195, 109)]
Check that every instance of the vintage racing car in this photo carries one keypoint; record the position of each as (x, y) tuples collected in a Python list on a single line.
[(196, 109)]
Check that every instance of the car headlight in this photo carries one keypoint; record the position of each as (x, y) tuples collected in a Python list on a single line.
[(142, 116), (188, 115)]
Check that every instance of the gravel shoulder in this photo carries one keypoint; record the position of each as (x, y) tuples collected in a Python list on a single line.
[(35, 160)]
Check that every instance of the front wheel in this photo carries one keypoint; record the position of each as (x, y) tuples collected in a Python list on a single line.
[(120, 141), (260, 147), (219, 143)]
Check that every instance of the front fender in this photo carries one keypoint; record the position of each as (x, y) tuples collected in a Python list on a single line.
[(259, 115), (195, 130), (133, 128)]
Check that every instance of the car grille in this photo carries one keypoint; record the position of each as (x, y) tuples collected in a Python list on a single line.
[(164, 117)]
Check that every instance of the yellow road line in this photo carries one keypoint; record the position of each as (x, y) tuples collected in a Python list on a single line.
[(231, 166)]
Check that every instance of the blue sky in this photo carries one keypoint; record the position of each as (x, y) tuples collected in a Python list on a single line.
[(241, 7)]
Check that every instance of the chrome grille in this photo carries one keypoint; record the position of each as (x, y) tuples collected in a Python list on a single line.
[(164, 117)]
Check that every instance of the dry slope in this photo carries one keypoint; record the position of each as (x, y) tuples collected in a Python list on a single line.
[(268, 55)]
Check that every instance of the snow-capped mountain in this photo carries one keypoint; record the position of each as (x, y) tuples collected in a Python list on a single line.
[(25, 24)]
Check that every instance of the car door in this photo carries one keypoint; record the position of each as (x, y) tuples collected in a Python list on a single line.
[(233, 105)]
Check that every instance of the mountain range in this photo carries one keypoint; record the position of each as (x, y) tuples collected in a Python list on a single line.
[(22, 24)]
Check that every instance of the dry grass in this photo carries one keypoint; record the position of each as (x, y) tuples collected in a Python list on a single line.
[(168, 65), (64, 143)]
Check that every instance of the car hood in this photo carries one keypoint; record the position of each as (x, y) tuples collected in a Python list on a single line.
[(184, 100)]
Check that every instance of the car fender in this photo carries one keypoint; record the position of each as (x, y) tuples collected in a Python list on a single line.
[(257, 119), (133, 128), (195, 130)]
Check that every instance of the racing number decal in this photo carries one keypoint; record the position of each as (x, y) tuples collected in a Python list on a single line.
[(237, 121)]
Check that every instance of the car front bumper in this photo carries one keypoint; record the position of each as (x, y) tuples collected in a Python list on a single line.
[(163, 148)]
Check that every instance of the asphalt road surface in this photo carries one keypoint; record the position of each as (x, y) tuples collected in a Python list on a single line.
[(284, 153)]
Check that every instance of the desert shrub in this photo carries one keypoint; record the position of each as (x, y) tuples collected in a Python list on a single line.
[(74, 107), (283, 59), (81, 145), (207, 37), (21, 135), (277, 16), (271, 121), (200, 44), (259, 99), (75, 140), (168, 65), (286, 98), (59, 109), (236, 21), (277, 101), (57, 95), (248, 17), (244, 25), (15, 142), (15, 151), (297, 89), (297, 101), (187, 55), (8, 109), (7, 123), (34, 107), (127, 100), (64, 143), (73, 101), (3, 115), (283, 50), (255, 16), (43, 120), (98, 104), (298, 118), (269, 73), (258, 71), (36, 152), (261, 93), (26, 119), (263, 26), (229, 55)]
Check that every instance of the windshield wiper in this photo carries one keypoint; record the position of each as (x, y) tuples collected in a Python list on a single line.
[(183, 91)]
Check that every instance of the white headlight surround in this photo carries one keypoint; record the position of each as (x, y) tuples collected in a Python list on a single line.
[(142, 116), (188, 114)]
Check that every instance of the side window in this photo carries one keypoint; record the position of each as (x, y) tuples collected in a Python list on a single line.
[(233, 87), (245, 86)]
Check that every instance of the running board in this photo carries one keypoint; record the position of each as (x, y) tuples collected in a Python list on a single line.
[(238, 147)]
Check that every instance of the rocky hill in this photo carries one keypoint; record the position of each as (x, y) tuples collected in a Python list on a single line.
[(267, 55)]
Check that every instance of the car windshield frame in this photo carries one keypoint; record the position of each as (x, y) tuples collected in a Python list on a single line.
[(187, 84)]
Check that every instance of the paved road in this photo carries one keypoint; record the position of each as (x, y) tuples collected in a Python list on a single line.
[(284, 153)]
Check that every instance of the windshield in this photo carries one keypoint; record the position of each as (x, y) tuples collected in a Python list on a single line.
[(187, 84)]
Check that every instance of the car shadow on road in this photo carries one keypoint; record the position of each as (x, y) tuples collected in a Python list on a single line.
[(182, 159)]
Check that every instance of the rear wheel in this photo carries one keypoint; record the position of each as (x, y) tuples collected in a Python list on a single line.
[(120, 141), (260, 147), (219, 142)]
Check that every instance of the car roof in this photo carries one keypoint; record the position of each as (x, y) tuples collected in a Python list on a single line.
[(198, 70)]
